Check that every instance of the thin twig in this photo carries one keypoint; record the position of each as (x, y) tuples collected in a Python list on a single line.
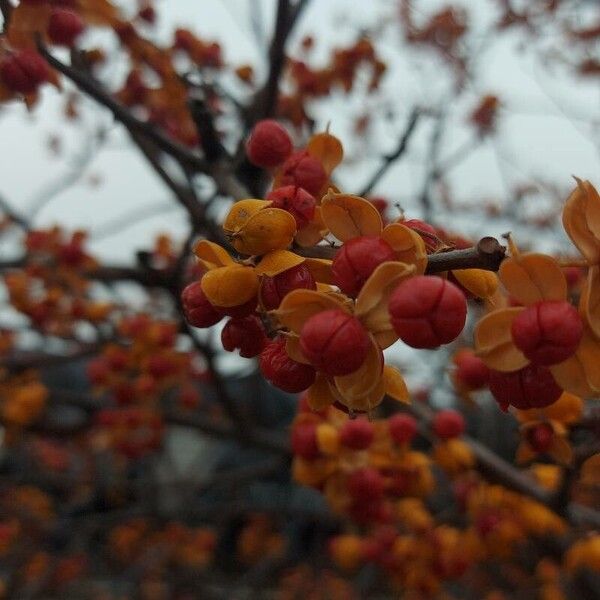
[(391, 158)]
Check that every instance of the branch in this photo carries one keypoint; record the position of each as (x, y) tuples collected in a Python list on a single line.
[(488, 254), (88, 85), (7, 209), (389, 159)]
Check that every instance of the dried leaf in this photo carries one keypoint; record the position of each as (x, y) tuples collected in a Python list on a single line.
[(299, 305), (395, 386), (580, 374), (589, 303), (230, 286), (327, 149), (240, 212), (211, 255), (349, 217), (373, 299), (494, 343), (408, 246), (481, 283), (531, 278), (365, 378), (581, 220), (312, 233), (267, 230), (320, 269), (277, 262), (320, 394), (292, 347)]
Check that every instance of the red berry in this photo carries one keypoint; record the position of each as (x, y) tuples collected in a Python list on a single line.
[(427, 311), (64, 26), (548, 332), (356, 260), (427, 232), (198, 311), (161, 366), (297, 201), (381, 204), (366, 485), (540, 437), (24, 71), (303, 170), (531, 387), (283, 372), (357, 434), (241, 310), (403, 428), (246, 335), (274, 289), (334, 342), (304, 441), (471, 372), (448, 424), (98, 371), (269, 144)]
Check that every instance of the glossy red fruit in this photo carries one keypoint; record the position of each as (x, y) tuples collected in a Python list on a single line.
[(283, 372), (356, 260), (64, 26), (357, 434), (427, 232), (334, 342), (246, 335), (365, 485), (548, 332), (269, 144), (274, 289), (403, 428), (530, 387), (303, 170), (24, 71), (448, 424), (241, 310), (471, 372), (297, 201), (427, 311), (198, 311), (304, 441), (540, 437)]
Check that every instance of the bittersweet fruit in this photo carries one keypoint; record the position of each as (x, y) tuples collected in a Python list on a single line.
[(198, 311), (304, 441), (245, 334), (297, 201), (426, 231), (471, 372), (366, 485), (269, 144), (530, 387), (303, 170), (357, 434), (403, 428), (548, 332), (334, 342), (274, 289), (24, 71), (283, 372), (64, 26), (448, 424), (540, 437), (356, 260), (427, 311)]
